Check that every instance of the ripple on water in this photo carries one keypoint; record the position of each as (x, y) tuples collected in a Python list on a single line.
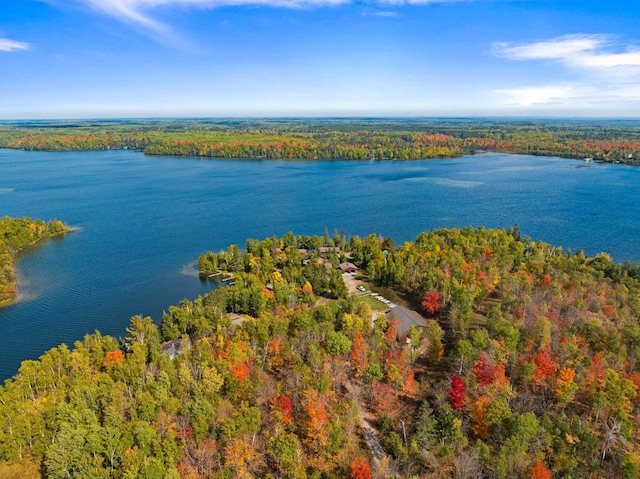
[(445, 182)]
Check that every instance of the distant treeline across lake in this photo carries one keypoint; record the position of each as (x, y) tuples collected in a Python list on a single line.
[(613, 141)]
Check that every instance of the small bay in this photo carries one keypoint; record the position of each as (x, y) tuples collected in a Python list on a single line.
[(144, 220)]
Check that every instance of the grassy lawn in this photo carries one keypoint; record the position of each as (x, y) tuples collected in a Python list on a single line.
[(374, 303)]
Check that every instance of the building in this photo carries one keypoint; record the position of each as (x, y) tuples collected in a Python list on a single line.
[(407, 318), (348, 267), (176, 347)]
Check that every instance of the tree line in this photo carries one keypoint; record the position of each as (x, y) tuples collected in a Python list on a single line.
[(607, 141)]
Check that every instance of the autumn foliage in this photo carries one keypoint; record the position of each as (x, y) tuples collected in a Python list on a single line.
[(431, 301), (283, 405), (360, 469), (539, 471), (113, 357), (483, 370), (515, 380), (457, 392), (240, 371)]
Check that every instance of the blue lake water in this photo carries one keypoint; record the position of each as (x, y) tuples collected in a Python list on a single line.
[(144, 221)]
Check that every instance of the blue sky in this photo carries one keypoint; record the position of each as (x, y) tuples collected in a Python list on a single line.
[(212, 58)]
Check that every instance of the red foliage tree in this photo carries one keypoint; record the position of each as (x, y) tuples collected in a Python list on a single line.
[(539, 471), (456, 392), (483, 370), (431, 301), (283, 405), (544, 366), (360, 469)]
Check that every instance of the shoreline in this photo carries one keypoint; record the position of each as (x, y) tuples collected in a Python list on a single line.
[(580, 158), (14, 296)]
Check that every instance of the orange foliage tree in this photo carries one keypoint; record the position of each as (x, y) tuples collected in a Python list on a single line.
[(113, 357), (479, 414), (359, 353), (539, 471), (360, 469), (316, 424), (565, 387)]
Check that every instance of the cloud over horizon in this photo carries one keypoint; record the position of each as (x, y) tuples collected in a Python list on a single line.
[(605, 71), (576, 51), (7, 45)]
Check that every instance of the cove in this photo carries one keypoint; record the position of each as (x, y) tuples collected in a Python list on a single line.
[(144, 220)]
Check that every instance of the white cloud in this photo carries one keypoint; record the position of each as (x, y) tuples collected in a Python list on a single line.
[(7, 45), (577, 51), (138, 11), (604, 72), (527, 96)]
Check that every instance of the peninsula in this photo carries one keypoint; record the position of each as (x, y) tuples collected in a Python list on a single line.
[(15, 235)]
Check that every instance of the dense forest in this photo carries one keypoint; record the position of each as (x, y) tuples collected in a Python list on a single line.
[(527, 367), (604, 140), (15, 235)]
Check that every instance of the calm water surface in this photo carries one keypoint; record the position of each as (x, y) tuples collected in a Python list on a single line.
[(145, 220)]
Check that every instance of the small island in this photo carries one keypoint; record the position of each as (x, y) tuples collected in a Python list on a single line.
[(17, 234), (523, 360)]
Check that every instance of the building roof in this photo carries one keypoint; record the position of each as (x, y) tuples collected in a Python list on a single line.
[(176, 347), (407, 318), (348, 266)]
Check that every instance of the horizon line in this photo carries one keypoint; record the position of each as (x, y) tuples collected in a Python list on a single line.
[(320, 117)]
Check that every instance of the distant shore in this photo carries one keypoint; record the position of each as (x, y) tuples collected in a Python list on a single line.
[(325, 140)]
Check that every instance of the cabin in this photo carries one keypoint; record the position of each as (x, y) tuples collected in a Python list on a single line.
[(176, 347), (348, 267)]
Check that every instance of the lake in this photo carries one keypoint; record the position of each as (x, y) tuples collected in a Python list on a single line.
[(144, 220)]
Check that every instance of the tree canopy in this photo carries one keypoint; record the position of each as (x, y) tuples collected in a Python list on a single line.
[(528, 368)]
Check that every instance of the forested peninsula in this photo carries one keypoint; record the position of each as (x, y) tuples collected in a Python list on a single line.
[(615, 141), (522, 362), (15, 235)]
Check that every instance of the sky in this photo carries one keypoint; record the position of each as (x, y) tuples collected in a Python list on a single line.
[(272, 58)]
